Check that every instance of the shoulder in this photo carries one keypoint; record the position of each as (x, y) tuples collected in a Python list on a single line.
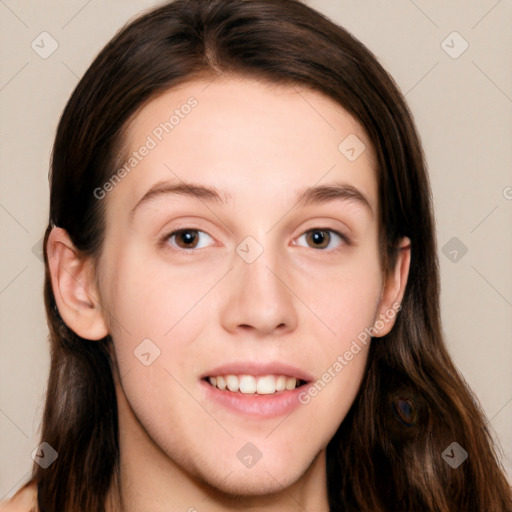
[(25, 500)]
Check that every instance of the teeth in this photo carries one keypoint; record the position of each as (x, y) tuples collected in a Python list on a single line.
[(221, 382), (266, 385), (232, 383), (250, 385), (291, 383), (247, 384), (281, 383)]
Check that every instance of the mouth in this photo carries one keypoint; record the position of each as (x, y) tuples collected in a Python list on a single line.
[(254, 384), (255, 389)]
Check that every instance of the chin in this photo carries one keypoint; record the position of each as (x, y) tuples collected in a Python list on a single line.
[(248, 484), (265, 478)]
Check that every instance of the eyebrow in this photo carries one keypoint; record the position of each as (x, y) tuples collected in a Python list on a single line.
[(335, 191), (309, 196)]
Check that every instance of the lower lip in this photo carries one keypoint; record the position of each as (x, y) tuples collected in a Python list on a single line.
[(261, 406)]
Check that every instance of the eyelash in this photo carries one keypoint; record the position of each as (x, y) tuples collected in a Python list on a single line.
[(169, 236)]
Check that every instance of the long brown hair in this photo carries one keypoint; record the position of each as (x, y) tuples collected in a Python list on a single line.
[(413, 403)]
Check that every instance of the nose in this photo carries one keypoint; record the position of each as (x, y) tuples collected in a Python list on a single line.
[(259, 297)]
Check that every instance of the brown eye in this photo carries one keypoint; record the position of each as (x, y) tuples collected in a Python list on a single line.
[(321, 238), (186, 238)]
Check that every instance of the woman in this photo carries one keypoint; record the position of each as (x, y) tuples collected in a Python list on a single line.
[(242, 284)]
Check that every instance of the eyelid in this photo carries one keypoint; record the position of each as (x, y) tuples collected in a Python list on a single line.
[(342, 236), (175, 231)]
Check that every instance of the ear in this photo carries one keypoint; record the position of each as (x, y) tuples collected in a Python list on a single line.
[(74, 288), (393, 291)]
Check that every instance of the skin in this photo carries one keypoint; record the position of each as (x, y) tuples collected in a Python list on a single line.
[(296, 303)]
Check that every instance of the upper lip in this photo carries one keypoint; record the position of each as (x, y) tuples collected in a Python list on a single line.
[(258, 370)]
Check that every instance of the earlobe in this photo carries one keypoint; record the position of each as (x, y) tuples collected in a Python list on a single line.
[(74, 289), (393, 291)]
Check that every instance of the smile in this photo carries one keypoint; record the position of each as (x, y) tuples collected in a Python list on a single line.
[(251, 385)]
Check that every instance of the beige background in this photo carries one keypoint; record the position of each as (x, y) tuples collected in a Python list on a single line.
[(463, 109)]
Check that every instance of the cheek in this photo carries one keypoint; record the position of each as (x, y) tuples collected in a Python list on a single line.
[(348, 307), (149, 300), (345, 298), (345, 306)]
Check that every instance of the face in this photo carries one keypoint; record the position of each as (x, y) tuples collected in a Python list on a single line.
[(246, 282)]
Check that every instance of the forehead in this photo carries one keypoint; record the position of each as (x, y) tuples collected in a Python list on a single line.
[(246, 137)]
